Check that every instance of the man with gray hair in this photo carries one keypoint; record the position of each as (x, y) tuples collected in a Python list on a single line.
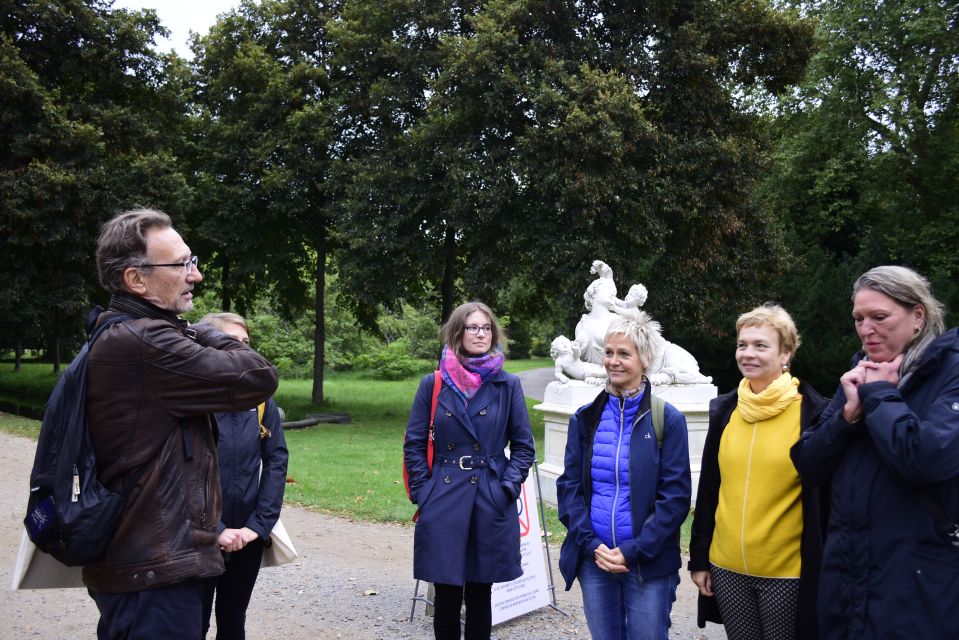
[(153, 383)]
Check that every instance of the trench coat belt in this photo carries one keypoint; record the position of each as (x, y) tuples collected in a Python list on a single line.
[(468, 463)]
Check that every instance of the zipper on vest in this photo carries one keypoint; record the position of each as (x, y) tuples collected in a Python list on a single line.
[(619, 446)]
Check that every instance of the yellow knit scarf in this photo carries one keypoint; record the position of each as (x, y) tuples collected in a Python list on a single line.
[(771, 401)]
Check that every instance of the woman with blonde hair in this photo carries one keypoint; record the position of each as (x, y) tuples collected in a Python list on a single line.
[(253, 459), (888, 445), (467, 531), (624, 493), (757, 532)]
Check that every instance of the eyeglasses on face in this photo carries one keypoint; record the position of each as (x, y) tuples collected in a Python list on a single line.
[(474, 329), (187, 265)]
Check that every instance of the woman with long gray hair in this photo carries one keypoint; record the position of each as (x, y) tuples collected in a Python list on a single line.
[(888, 443)]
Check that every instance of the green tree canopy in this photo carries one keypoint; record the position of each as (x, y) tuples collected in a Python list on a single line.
[(484, 142), (868, 162), (91, 116), (261, 157)]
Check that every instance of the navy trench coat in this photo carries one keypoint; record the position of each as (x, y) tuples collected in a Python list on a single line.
[(468, 526), (889, 570)]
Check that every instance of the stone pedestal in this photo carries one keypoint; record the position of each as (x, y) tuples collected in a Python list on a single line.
[(562, 400)]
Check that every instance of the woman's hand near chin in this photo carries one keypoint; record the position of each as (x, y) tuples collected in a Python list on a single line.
[(884, 371)]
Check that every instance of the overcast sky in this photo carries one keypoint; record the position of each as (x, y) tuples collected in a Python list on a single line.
[(180, 17)]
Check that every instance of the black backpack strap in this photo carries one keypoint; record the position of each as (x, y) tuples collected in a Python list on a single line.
[(91, 320), (94, 330)]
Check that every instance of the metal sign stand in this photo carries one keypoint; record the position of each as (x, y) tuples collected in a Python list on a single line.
[(549, 563)]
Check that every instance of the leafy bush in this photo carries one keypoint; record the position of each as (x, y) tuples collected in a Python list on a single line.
[(345, 338), (288, 345), (391, 362), (417, 329)]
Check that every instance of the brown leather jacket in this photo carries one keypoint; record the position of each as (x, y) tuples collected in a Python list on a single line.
[(152, 385)]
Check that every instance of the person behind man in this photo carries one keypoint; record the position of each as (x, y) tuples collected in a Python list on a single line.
[(153, 382), (252, 498)]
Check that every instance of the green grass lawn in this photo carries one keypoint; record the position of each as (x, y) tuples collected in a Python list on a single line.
[(19, 426), (352, 470)]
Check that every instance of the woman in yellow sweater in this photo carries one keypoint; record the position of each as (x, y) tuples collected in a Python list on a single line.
[(757, 531)]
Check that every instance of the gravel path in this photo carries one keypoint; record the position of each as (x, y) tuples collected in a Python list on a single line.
[(323, 594)]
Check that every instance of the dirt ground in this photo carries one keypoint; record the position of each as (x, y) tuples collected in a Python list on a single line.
[(352, 580)]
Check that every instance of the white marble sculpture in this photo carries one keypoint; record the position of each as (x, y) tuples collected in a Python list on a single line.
[(635, 298), (673, 364), (582, 358), (565, 353), (599, 299)]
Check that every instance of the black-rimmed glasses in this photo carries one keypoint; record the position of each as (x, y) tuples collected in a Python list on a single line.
[(474, 329), (187, 265)]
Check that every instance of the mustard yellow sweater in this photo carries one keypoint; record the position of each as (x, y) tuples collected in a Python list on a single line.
[(759, 515)]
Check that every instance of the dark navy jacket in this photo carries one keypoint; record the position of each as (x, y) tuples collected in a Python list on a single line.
[(888, 569), (249, 498), (659, 483), (468, 527)]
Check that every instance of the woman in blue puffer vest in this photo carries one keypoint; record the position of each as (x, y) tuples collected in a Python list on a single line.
[(623, 496)]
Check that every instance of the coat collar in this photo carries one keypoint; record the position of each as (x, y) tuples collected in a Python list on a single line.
[(938, 350), (591, 413), (140, 308), (453, 404)]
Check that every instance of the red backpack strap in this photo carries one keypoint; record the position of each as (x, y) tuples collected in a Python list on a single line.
[(437, 385), (430, 438)]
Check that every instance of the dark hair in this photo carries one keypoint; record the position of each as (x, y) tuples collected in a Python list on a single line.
[(451, 334), (122, 244)]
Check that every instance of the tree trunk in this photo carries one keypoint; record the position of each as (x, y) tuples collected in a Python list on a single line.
[(18, 355), (449, 271), (226, 299), (56, 354), (319, 334)]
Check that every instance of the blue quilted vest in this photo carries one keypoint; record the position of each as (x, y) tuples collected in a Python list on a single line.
[(609, 472)]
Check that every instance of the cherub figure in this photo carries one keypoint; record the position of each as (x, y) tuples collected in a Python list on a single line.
[(635, 299), (568, 366)]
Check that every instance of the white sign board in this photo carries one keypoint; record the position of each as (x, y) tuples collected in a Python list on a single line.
[(531, 590)]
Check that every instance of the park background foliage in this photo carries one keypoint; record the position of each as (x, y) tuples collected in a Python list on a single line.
[(351, 170)]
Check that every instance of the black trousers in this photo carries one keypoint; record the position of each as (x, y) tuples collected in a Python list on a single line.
[(233, 590), (448, 600), (172, 611)]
